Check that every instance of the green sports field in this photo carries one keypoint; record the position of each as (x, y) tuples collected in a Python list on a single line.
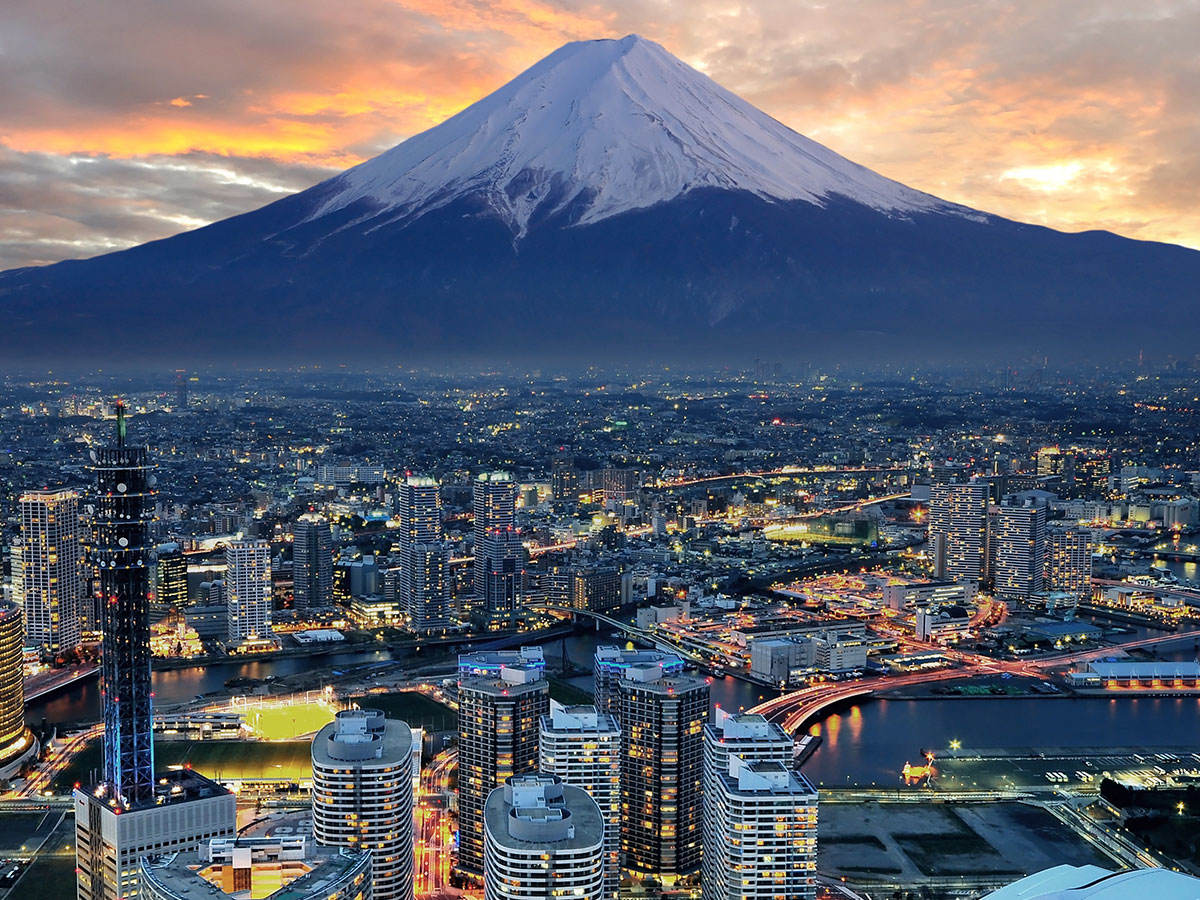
[(282, 723)]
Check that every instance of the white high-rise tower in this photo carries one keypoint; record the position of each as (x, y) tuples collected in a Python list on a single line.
[(583, 748), (362, 795)]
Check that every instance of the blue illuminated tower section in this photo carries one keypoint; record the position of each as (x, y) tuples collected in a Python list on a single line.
[(122, 557)]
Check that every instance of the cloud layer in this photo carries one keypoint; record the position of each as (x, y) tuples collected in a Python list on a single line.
[(124, 122)]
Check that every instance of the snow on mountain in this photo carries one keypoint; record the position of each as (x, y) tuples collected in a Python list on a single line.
[(604, 127)]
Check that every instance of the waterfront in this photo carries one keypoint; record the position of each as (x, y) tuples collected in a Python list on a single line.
[(866, 743), (870, 742)]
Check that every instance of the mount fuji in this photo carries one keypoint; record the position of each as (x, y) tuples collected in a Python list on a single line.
[(609, 202)]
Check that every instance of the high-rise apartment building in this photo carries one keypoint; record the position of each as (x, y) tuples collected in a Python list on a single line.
[(662, 770), (53, 585), (542, 839), (425, 581), (362, 794), (1020, 541), (312, 563), (501, 699), (610, 664), (499, 556), (248, 590), (583, 748), (760, 833), (134, 812), (751, 736), (1069, 562), (16, 741), (958, 526)]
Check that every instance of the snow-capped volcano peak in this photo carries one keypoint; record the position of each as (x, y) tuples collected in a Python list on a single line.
[(605, 127)]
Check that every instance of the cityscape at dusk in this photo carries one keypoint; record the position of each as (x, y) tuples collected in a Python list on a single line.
[(506, 451)]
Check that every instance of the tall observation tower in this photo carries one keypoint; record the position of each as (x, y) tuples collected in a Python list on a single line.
[(122, 557), (132, 814)]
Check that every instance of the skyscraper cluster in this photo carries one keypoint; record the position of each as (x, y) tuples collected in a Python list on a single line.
[(1011, 548), (557, 800)]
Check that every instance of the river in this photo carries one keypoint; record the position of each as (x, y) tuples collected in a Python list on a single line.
[(868, 743)]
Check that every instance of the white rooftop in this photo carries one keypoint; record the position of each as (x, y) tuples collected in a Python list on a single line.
[(1094, 883)]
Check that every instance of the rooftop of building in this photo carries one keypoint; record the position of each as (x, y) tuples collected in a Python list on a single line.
[(617, 657), (766, 777), (1151, 669), (513, 666), (175, 785), (583, 719), (362, 737), (1094, 883), (725, 725), (290, 868), (532, 811)]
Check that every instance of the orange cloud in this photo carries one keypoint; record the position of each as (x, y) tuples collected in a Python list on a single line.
[(1078, 115)]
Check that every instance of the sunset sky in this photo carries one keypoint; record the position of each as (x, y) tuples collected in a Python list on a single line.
[(125, 121)]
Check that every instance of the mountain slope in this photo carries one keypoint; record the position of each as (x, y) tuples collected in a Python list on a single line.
[(609, 201), (605, 127)]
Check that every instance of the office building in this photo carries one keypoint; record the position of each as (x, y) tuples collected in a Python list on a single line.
[(170, 578), (564, 477), (782, 661), (1053, 462), (16, 741), (583, 748), (501, 699), (1069, 563), (270, 868), (542, 839), (424, 583), (836, 652), (620, 486), (611, 662), (312, 563), (499, 556), (362, 795), (958, 529), (760, 832), (1020, 541), (111, 838), (53, 586), (662, 770), (248, 590)]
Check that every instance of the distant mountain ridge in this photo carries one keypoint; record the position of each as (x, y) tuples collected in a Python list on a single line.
[(608, 200)]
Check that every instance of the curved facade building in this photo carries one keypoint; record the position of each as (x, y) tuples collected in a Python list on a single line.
[(363, 794), (15, 739), (543, 839)]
